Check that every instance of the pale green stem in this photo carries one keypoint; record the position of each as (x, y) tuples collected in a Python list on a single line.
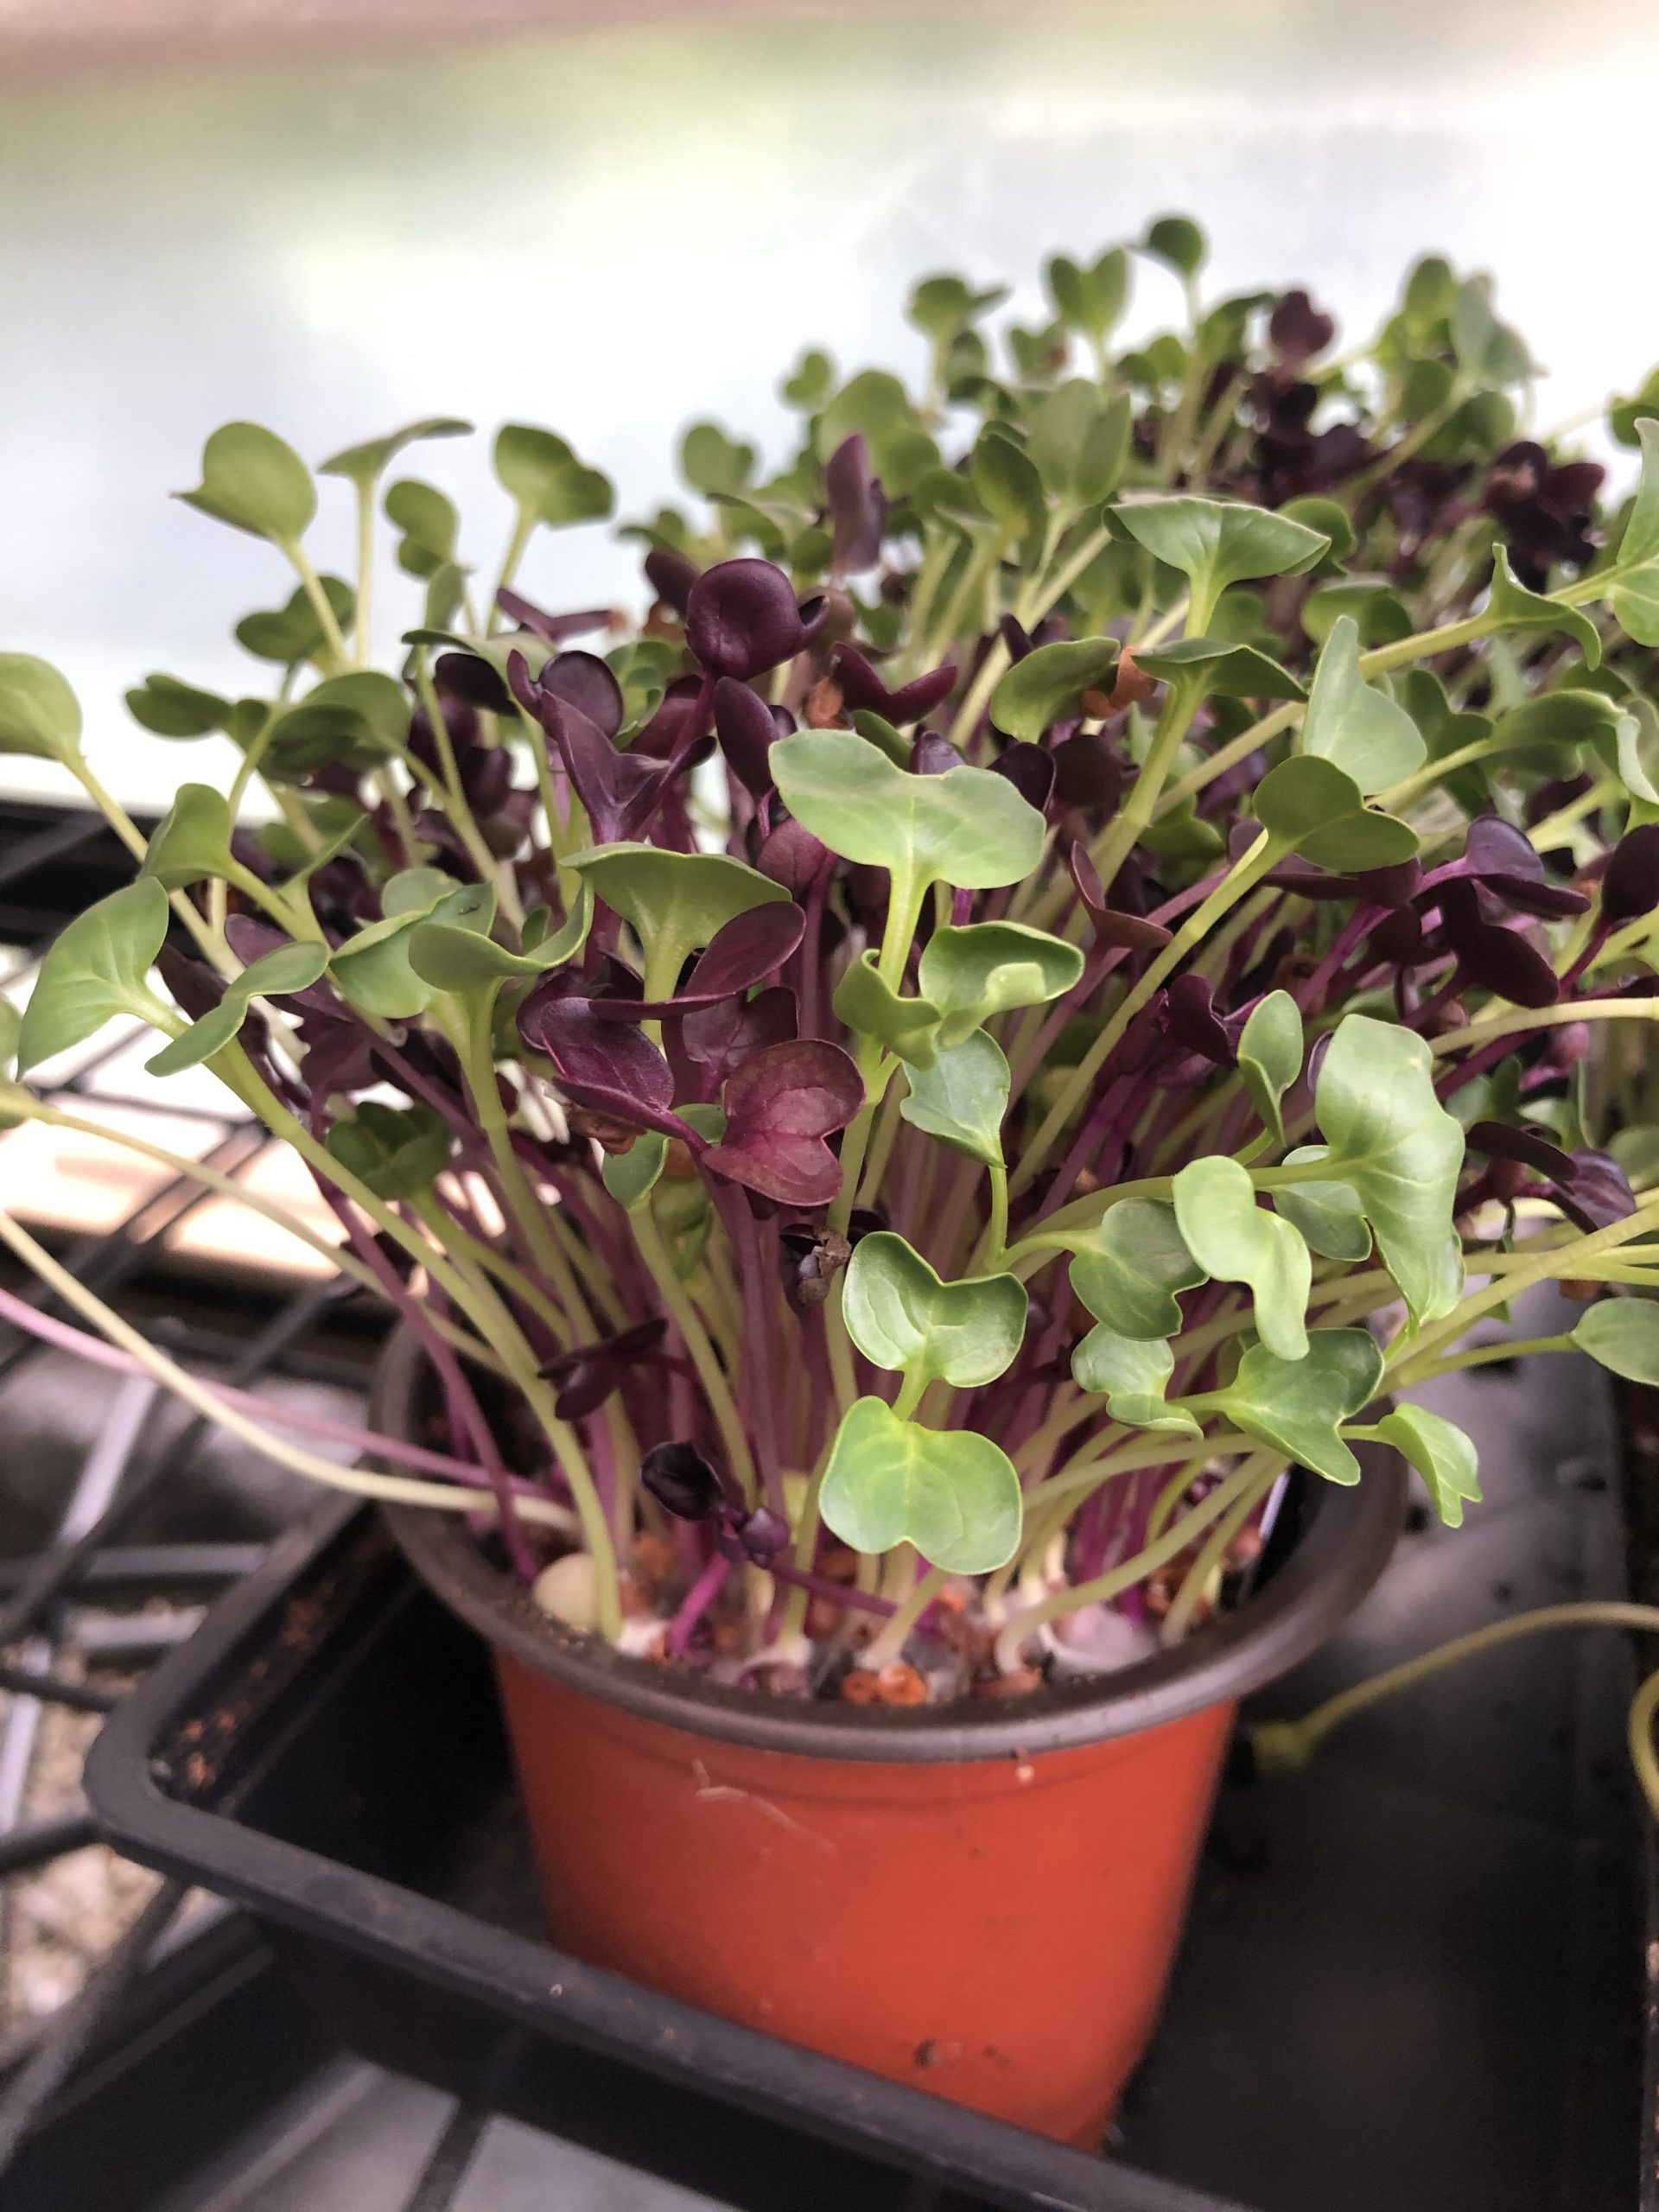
[(1284, 1747), (365, 491), (686, 1319)]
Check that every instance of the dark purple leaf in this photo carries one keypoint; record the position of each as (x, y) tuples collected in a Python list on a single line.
[(933, 755), (741, 618), (791, 856), (610, 1067), (474, 680), (858, 508), (780, 1105), (554, 628), (1031, 769), (861, 685), (619, 792), (682, 1481), (1598, 1193), (676, 730), (1630, 887), (587, 1375), (719, 1038), (1087, 772), (1491, 957), (1297, 330), (746, 728), (192, 984), (1190, 1017), (585, 682), (671, 575), (761, 1534), (1113, 927), (1507, 1140), (1014, 637), (750, 947), (1501, 859)]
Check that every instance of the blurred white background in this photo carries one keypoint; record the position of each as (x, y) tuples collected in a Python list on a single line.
[(614, 230)]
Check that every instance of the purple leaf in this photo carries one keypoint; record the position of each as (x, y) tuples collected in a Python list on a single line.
[(1113, 927), (1503, 1140), (1031, 769), (682, 1481), (1087, 772), (671, 575), (861, 686), (1190, 1017), (1630, 887), (192, 984), (610, 1067), (746, 728), (619, 792), (554, 628), (780, 1105), (719, 1038), (1598, 1193), (585, 682), (1297, 330), (1501, 859), (1493, 958), (858, 507), (1014, 637), (751, 946), (587, 1375), (760, 1536), (933, 755), (676, 730), (477, 682), (741, 618), (791, 856)]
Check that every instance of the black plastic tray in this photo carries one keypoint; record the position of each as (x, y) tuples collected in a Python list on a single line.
[(326, 1752)]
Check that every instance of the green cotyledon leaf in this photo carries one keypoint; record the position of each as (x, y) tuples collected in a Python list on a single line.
[(901, 1315), (1128, 1269), (1235, 1240), (1388, 1135), (968, 827), (951, 1493), (1442, 1454), (1133, 1373), (1296, 1405)]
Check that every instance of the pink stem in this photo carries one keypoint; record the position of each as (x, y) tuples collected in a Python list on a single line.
[(96, 1353), (702, 1594)]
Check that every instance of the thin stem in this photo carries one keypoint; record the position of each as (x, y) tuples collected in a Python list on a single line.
[(686, 1319), (362, 1482), (365, 490), (889, 1644), (1284, 1746)]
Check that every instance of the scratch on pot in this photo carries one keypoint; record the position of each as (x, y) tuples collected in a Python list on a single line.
[(711, 1790)]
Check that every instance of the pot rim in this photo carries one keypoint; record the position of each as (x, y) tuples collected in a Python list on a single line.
[(1350, 1535)]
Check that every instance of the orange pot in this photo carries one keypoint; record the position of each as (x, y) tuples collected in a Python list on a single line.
[(981, 1900)]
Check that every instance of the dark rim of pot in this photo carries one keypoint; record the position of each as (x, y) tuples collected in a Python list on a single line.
[(1349, 1535)]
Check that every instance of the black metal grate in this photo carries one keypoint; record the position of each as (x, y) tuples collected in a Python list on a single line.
[(53, 864)]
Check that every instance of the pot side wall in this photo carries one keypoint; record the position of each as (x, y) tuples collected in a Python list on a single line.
[(999, 1932)]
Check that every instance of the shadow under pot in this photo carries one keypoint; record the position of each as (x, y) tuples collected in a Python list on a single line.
[(983, 1899)]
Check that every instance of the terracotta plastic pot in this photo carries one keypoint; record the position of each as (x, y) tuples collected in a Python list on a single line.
[(981, 1900)]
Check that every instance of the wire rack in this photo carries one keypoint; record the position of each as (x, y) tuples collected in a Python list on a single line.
[(84, 1611)]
